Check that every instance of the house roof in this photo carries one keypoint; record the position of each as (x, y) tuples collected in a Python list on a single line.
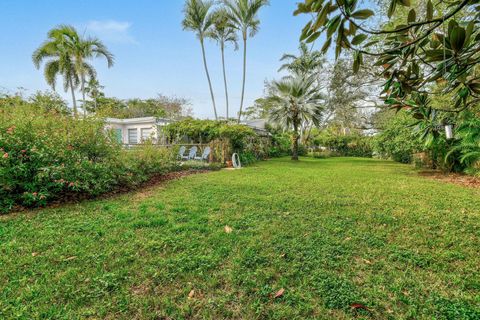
[(137, 120)]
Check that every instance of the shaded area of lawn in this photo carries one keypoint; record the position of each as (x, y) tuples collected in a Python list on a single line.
[(330, 232)]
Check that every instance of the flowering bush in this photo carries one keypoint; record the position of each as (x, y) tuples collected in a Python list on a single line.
[(47, 155)]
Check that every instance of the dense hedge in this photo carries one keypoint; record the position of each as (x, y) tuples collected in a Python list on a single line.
[(225, 135), (345, 145), (47, 155), (397, 140)]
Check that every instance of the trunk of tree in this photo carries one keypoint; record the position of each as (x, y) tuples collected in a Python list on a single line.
[(225, 78), (208, 78), (72, 89), (83, 97), (244, 75), (295, 138)]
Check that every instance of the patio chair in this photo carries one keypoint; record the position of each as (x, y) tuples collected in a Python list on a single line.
[(191, 154), (205, 154), (181, 152)]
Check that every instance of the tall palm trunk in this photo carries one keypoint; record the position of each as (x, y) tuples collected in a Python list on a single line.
[(72, 89), (244, 74), (83, 97), (295, 143), (208, 78), (222, 46), (295, 137)]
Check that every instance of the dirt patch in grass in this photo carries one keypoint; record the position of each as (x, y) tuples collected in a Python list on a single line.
[(455, 178)]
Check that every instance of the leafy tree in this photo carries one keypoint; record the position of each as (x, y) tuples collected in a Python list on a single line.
[(396, 140), (259, 110), (199, 19), (243, 14), (428, 48), (160, 107), (223, 32), (295, 99)]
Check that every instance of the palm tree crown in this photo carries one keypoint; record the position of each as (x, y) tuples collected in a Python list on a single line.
[(199, 19), (306, 63), (243, 14), (296, 100), (223, 32), (66, 53)]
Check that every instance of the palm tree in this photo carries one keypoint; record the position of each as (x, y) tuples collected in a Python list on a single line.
[(86, 49), (199, 19), (59, 61), (68, 53), (94, 91), (306, 63), (295, 100), (223, 32), (244, 16)]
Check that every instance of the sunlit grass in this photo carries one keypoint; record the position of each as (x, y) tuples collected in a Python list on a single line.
[(330, 232)]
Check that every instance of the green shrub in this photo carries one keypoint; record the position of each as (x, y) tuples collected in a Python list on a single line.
[(345, 145), (397, 139), (47, 155)]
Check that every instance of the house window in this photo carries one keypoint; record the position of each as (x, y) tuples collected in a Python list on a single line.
[(146, 133), (132, 136)]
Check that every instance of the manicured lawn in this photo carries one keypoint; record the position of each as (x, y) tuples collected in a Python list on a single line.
[(330, 232)]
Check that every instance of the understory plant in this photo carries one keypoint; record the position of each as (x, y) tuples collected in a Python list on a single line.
[(46, 155)]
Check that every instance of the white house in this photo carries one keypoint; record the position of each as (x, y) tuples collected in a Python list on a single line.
[(136, 130)]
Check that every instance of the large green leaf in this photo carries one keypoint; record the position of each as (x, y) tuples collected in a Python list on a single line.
[(412, 16), (326, 45), (333, 25), (457, 38), (391, 8), (362, 14), (359, 39), (429, 10)]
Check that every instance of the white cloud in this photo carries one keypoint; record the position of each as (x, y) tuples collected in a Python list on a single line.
[(112, 31)]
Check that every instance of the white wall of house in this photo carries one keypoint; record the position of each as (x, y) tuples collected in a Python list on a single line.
[(137, 130)]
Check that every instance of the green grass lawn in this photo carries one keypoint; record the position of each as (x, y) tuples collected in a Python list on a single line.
[(331, 233)]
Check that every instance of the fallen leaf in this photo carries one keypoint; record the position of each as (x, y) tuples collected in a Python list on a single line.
[(34, 254), (228, 229), (191, 294), (279, 293), (283, 255)]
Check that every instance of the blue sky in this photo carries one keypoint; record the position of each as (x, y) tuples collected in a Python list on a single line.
[(153, 54)]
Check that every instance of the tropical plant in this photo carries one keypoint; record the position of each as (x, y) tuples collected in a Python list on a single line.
[(223, 32), (94, 91), (243, 14), (296, 100), (440, 45), (85, 49), (467, 145), (396, 139), (67, 53), (199, 19), (306, 63), (59, 60)]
